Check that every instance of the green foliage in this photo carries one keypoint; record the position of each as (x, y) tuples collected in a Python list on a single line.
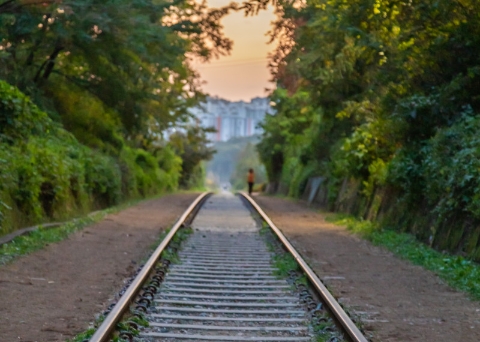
[(109, 76), (457, 271), (40, 238), (385, 94), (102, 178), (197, 179), (192, 147), (83, 336), (49, 178), (290, 146), (129, 55), (284, 263), (451, 166), (443, 174), (19, 117), (47, 174), (284, 134), (87, 118), (170, 165)]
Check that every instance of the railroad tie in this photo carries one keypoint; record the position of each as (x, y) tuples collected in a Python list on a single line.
[(224, 287)]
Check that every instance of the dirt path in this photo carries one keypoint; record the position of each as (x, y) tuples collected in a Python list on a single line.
[(53, 294), (395, 300)]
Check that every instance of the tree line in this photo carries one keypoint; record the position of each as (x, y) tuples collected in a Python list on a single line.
[(382, 95), (88, 90)]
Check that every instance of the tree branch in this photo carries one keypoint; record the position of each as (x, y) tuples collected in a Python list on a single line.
[(51, 61)]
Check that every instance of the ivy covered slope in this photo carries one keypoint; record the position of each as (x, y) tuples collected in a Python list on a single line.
[(45, 173), (381, 98), (103, 82)]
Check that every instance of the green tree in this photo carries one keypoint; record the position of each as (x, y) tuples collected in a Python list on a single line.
[(193, 147), (131, 55), (116, 75), (388, 85)]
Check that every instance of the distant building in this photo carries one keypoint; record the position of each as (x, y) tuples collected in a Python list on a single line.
[(232, 119)]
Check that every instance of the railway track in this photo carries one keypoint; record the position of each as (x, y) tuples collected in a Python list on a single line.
[(222, 283)]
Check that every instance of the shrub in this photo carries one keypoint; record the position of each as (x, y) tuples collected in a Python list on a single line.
[(45, 173), (19, 117)]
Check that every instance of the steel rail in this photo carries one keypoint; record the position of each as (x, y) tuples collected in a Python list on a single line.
[(108, 325), (346, 323)]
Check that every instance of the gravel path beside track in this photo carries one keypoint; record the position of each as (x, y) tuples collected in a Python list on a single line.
[(395, 300), (54, 293)]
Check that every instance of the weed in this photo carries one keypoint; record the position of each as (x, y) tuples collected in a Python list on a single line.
[(182, 235), (303, 280), (171, 256), (178, 238), (83, 336), (284, 263)]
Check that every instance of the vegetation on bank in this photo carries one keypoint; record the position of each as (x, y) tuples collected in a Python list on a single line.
[(89, 94), (40, 238), (457, 271), (48, 175), (381, 98)]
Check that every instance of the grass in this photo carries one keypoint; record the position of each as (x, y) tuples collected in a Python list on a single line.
[(324, 328), (457, 271), (40, 238), (181, 235), (284, 263), (85, 336)]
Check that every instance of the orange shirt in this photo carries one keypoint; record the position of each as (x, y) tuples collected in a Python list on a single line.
[(250, 177)]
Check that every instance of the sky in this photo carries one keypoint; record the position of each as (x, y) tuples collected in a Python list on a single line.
[(243, 74)]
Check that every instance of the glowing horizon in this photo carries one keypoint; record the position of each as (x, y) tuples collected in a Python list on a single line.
[(243, 74)]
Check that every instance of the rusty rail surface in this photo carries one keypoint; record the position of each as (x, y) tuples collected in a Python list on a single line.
[(103, 332)]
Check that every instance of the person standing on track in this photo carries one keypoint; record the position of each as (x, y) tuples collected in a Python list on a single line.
[(250, 180)]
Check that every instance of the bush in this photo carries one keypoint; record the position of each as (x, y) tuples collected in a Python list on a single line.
[(102, 179), (19, 117), (452, 168), (45, 173)]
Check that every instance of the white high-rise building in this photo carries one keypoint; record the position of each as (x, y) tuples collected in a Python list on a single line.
[(232, 119)]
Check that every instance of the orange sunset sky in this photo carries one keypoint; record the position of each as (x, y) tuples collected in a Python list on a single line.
[(243, 74)]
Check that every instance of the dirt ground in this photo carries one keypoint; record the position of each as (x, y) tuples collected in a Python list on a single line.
[(395, 300), (54, 293)]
